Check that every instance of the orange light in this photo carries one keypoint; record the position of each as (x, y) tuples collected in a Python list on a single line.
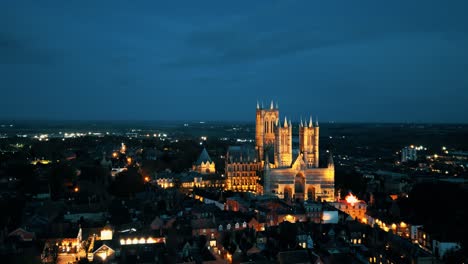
[(129, 160), (351, 199), (76, 189), (115, 154), (147, 179)]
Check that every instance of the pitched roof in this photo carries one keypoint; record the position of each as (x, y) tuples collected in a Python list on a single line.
[(244, 153), (203, 158)]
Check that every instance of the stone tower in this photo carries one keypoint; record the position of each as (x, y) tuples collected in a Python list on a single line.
[(283, 144), (307, 143), (265, 127), (316, 144)]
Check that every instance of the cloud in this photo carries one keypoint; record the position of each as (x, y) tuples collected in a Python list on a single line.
[(293, 27), (21, 51)]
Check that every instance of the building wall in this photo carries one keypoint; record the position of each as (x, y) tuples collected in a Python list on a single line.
[(205, 168), (357, 210), (319, 183), (242, 176), (439, 249)]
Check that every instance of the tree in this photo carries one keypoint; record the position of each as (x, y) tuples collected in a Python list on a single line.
[(127, 183)]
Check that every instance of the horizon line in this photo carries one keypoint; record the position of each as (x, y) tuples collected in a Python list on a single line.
[(201, 121)]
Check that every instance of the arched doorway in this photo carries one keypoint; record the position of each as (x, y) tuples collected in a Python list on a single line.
[(311, 193), (287, 193), (299, 186)]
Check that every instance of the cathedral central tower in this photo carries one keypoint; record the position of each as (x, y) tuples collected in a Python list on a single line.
[(266, 121)]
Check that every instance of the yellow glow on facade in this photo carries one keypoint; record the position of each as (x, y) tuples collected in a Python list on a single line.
[(103, 255), (141, 240), (106, 234), (351, 199), (289, 218), (44, 162)]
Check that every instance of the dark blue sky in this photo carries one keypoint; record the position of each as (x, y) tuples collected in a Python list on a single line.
[(344, 60)]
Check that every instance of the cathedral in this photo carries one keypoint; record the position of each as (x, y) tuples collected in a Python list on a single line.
[(292, 173)]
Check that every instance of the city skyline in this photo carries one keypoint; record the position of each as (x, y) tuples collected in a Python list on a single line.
[(399, 62)]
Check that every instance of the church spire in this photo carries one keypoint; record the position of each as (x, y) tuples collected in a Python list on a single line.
[(277, 105), (316, 121), (258, 105), (271, 105), (310, 122), (285, 122), (301, 125), (331, 163)]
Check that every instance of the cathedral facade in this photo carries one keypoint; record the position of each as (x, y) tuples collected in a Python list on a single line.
[(292, 173)]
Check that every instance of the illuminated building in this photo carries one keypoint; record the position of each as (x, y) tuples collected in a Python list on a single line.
[(313, 211), (290, 175), (165, 181), (353, 206), (242, 168), (209, 181), (204, 164), (409, 153), (123, 148)]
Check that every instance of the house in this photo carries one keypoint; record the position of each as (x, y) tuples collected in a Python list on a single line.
[(298, 257), (103, 249), (22, 235)]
